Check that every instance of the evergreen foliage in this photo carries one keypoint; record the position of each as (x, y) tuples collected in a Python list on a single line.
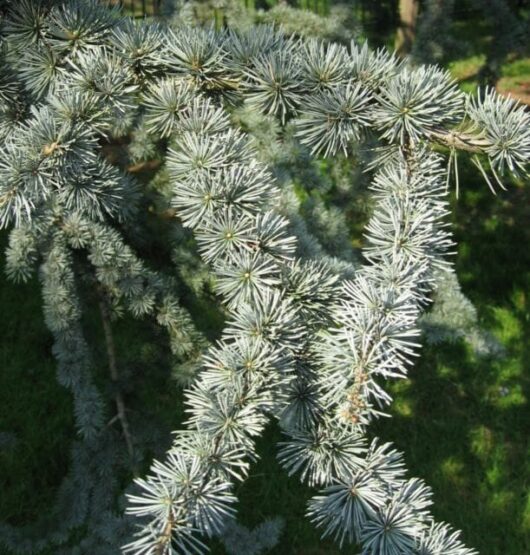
[(240, 541), (309, 341)]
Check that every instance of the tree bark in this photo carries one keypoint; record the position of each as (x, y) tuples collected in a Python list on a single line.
[(406, 33)]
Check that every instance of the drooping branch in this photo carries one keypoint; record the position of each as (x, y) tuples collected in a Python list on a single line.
[(114, 375), (278, 304)]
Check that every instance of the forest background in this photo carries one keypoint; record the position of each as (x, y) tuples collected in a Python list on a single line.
[(462, 419)]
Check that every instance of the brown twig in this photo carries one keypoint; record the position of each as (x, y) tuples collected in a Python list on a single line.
[(146, 165), (459, 140), (113, 368)]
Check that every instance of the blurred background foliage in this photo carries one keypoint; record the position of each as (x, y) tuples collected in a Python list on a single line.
[(462, 420)]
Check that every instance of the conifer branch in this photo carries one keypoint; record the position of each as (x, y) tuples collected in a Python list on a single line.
[(303, 344)]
